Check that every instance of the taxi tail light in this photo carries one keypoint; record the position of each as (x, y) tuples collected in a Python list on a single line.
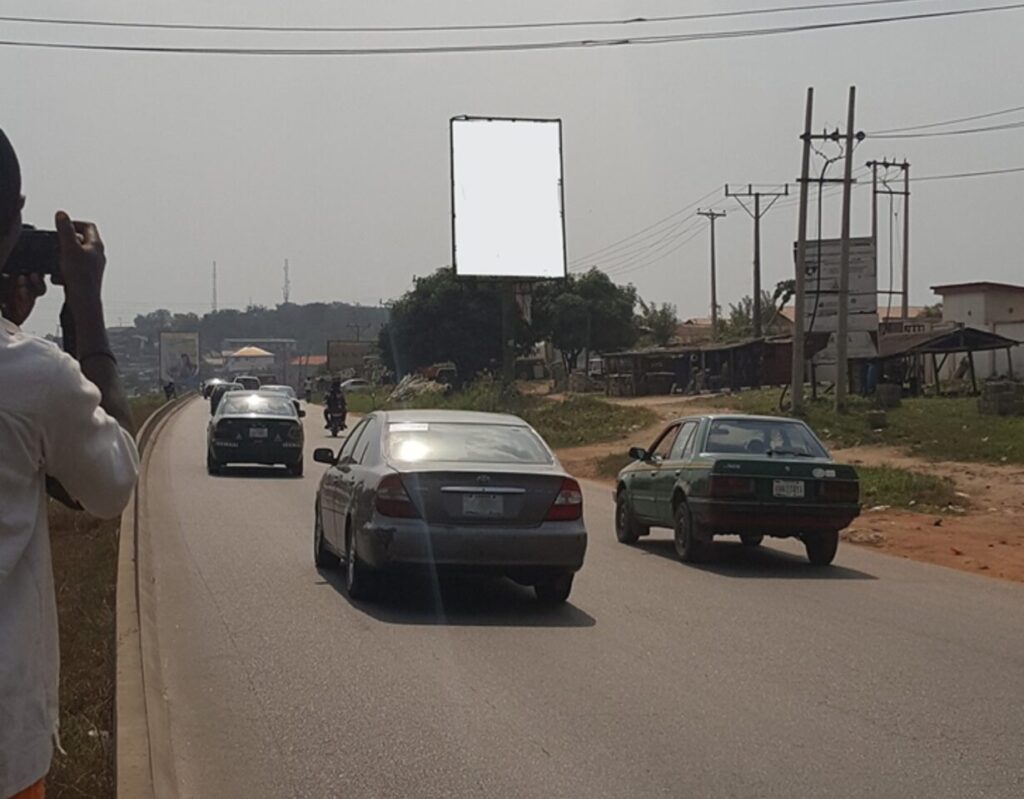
[(723, 485), (840, 491), (568, 504), (393, 500)]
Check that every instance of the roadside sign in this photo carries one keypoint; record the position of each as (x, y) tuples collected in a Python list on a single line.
[(179, 358), (821, 280), (507, 201)]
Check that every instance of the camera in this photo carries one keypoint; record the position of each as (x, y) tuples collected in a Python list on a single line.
[(36, 253)]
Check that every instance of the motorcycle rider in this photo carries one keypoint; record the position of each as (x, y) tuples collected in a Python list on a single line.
[(335, 404)]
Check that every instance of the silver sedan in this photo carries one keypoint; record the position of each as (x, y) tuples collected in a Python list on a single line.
[(449, 490)]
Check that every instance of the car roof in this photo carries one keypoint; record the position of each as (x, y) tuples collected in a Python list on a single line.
[(253, 393), (269, 386), (453, 417), (737, 416)]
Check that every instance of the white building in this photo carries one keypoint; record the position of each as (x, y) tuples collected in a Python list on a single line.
[(995, 307)]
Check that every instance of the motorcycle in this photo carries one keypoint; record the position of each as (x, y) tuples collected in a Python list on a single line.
[(335, 423)]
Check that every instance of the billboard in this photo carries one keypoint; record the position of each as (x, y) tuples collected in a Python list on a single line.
[(179, 358), (347, 358), (507, 198)]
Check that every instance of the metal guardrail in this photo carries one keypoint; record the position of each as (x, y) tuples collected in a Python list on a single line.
[(144, 770)]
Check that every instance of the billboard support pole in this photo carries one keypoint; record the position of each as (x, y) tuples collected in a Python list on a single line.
[(508, 332), (842, 362)]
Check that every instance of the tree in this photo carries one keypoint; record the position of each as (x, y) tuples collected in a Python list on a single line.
[(739, 322), (448, 318), (658, 323), (584, 311)]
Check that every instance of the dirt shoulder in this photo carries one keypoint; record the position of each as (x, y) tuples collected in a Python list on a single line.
[(983, 534)]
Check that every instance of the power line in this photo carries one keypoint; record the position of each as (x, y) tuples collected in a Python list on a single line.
[(643, 265), (501, 26), (628, 263), (572, 44), (958, 175), (937, 133), (943, 124), (626, 247)]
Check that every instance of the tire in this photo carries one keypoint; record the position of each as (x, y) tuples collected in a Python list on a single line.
[(322, 556), (554, 590), (627, 531), (689, 548), (358, 579), (212, 467), (821, 547), (751, 539), (295, 470)]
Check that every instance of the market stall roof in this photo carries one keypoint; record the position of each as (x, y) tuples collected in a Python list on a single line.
[(252, 352), (960, 339)]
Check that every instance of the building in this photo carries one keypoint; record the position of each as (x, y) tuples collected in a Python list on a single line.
[(995, 307), (250, 361), (281, 349)]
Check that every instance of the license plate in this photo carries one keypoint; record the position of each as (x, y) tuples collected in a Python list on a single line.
[(481, 505), (257, 432), (790, 489)]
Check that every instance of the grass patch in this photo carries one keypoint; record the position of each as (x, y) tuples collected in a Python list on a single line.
[(610, 465), (85, 575), (902, 488), (934, 427)]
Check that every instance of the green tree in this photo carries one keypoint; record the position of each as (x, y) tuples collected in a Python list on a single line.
[(658, 323), (738, 323), (447, 318), (584, 311)]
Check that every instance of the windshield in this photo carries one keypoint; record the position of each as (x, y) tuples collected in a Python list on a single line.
[(464, 443), (254, 403), (763, 437)]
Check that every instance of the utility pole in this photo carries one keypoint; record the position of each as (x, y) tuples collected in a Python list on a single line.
[(712, 215), (903, 166), (757, 193), (797, 388), (287, 283), (842, 361), (213, 303), (358, 327)]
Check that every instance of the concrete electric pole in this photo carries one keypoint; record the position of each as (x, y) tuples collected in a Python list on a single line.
[(843, 310), (799, 295), (757, 193), (712, 215)]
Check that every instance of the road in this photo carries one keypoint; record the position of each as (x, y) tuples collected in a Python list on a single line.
[(754, 676)]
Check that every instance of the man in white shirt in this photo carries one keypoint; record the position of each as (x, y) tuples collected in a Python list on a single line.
[(60, 417)]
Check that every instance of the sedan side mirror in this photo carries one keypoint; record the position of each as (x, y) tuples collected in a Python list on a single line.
[(639, 454), (324, 455)]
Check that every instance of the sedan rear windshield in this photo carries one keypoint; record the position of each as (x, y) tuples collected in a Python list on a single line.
[(254, 403), (447, 442), (763, 437)]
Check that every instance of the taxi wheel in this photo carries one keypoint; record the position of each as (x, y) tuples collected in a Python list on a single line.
[(821, 547), (322, 556), (555, 590), (689, 548), (627, 531), (358, 580)]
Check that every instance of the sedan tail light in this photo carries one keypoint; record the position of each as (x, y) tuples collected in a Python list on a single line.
[(393, 500), (840, 491), (731, 486), (568, 504)]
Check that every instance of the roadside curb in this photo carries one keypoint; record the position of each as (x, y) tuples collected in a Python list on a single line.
[(143, 764)]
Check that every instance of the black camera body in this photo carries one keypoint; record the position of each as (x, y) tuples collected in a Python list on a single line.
[(36, 253)]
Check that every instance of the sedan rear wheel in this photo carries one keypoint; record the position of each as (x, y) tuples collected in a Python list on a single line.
[(554, 590), (627, 531), (322, 556), (358, 580), (751, 539), (821, 547), (689, 547), (295, 470)]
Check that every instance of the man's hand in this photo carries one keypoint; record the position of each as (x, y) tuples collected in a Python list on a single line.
[(82, 261), (18, 296)]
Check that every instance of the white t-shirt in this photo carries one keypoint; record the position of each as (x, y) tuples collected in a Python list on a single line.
[(50, 423)]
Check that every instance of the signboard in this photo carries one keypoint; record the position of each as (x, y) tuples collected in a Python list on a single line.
[(507, 199), (179, 358), (347, 358)]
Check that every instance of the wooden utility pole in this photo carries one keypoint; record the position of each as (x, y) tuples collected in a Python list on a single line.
[(842, 361), (756, 214), (799, 295), (712, 215), (905, 308)]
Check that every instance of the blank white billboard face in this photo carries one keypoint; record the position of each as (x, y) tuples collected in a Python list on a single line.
[(507, 198)]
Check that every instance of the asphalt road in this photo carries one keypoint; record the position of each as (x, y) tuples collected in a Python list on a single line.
[(754, 676)]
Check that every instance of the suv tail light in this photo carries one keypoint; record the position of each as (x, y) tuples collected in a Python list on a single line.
[(731, 486), (568, 504), (840, 491), (295, 432), (393, 500)]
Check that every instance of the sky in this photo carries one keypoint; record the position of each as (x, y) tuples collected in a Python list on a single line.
[(341, 164)]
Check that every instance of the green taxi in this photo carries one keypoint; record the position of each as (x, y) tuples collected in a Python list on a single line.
[(749, 476)]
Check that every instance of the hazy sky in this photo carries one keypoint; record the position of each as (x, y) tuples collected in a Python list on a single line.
[(341, 163)]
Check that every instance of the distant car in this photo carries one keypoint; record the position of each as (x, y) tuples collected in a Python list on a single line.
[(356, 386), (286, 391), (750, 476), (248, 382), (252, 427), (449, 490), (209, 385), (219, 391)]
